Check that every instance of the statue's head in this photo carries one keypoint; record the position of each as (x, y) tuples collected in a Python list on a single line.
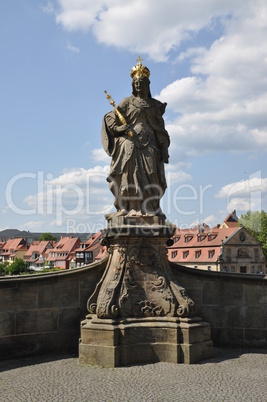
[(140, 73), (139, 70)]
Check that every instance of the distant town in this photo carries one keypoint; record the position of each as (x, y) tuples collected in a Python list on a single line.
[(228, 247)]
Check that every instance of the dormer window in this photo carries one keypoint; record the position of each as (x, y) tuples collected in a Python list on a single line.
[(185, 254), (211, 253), (187, 238), (176, 239), (211, 237), (201, 237), (174, 254), (198, 253)]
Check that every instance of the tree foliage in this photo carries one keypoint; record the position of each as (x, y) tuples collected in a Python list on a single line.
[(3, 268), (17, 267), (47, 236), (256, 224)]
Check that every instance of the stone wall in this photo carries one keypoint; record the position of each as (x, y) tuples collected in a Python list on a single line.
[(41, 314), (235, 305)]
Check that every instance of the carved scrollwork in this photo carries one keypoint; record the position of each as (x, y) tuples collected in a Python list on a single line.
[(145, 308), (92, 308), (159, 284)]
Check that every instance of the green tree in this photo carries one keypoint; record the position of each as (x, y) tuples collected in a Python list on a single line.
[(256, 224), (17, 267), (47, 236), (3, 268)]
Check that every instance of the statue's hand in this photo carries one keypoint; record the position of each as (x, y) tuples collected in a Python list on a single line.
[(121, 130)]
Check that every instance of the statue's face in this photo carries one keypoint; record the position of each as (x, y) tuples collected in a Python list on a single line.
[(140, 84)]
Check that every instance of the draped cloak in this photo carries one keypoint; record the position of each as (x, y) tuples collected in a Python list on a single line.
[(137, 170)]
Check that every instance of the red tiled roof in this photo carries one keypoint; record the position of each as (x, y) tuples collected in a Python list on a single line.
[(192, 258), (204, 242), (101, 253), (37, 248), (65, 244), (211, 237), (12, 244), (93, 239)]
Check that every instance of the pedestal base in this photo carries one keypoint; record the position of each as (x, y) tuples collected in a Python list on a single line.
[(116, 343)]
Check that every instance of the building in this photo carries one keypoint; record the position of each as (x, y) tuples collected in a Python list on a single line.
[(88, 251), (37, 254), (231, 221), (62, 253), (13, 248), (228, 249)]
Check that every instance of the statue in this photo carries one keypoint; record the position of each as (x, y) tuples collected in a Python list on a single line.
[(133, 134), (138, 313)]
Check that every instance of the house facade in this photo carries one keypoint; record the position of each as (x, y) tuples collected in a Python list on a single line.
[(37, 254), (13, 248), (62, 253), (226, 249), (88, 251)]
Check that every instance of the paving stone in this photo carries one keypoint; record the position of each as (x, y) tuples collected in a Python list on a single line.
[(236, 375)]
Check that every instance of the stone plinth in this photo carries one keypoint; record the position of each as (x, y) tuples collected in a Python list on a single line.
[(115, 343), (139, 313)]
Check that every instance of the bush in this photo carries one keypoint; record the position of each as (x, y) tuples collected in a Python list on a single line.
[(3, 268), (17, 267)]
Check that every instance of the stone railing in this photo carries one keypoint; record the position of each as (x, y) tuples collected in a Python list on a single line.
[(41, 314)]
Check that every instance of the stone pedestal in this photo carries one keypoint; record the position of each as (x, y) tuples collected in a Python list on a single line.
[(138, 313), (115, 343)]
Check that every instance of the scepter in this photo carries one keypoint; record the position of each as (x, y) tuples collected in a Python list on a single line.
[(120, 116)]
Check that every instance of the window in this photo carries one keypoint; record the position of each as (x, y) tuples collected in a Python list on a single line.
[(252, 269), (243, 270), (175, 239), (185, 254), (256, 254), (224, 268), (232, 269), (211, 253), (188, 238), (198, 253), (200, 238), (228, 253), (174, 254), (211, 237)]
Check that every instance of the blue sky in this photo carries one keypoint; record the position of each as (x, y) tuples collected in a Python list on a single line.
[(207, 60)]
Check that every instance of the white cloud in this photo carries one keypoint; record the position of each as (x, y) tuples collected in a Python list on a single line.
[(222, 106), (72, 48), (175, 174), (157, 27), (243, 187), (99, 155), (242, 204), (244, 195), (76, 193), (32, 225)]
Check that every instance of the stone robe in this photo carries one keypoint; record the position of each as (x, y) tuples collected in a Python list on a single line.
[(136, 177)]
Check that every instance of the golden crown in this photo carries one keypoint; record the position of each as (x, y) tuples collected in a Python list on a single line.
[(139, 69)]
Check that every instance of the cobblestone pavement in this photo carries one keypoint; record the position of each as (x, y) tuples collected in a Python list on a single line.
[(231, 375)]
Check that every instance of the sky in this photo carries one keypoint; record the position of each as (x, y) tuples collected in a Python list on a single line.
[(208, 61)]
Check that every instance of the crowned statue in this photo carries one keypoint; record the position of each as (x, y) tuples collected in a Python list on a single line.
[(138, 312), (134, 135)]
